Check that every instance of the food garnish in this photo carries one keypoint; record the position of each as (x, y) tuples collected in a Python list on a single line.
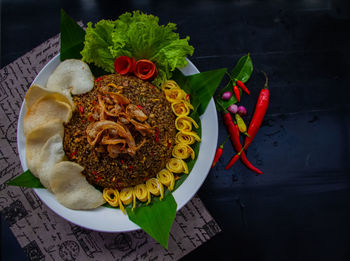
[(111, 196), (236, 92), (136, 35), (72, 189), (242, 86), (233, 108), (239, 75), (218, 153), (145, 70), (241, 124), (226, 96), (71, 76), (259, 113), (241, 110), (234, 137), (166, 178), (124, 65), (47, 111), (234, 159)]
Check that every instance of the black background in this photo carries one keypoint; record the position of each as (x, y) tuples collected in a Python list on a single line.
[(299, 208)]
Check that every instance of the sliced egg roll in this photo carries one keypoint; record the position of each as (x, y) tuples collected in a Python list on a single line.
[(155, 187), (141, 193), (193, 134), (173, 95), (184, 123), (181, 108), (166, 178), (126, 195), (182, 151), (184, 138), (170, 84), (111, 196), (177, 166)]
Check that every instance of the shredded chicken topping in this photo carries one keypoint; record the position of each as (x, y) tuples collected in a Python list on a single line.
[(112, 118)]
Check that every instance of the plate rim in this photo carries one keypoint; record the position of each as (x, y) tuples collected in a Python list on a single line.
[(47, 197)]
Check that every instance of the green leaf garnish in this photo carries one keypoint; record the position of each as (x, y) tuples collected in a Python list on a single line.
[(26, 179), (242, 71), (136, 35), (200, 86), (72, 38), (156, 219)]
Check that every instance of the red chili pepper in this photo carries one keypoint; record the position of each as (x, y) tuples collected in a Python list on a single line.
[(218, 153), (140, 107), (94, 102), (122, 161), (234, 136), (243, 87), (156, 133), (236, 92), (259, 113), (131, 167), (98, 178), (187, 97), (72, 154), (94, 172), (98, 79), (234, 159), (217, 156), (81, 109)]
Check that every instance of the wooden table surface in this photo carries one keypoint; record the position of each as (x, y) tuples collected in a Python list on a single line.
[(299, 208)]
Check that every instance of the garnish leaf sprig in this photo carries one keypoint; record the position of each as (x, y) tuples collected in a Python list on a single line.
[(242, 71)]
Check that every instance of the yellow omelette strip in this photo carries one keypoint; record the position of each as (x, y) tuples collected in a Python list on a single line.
[(170, 84), (184, 138), (175, 165), (173, 95), (155, 187), (181, 108), (166, 178), (126, 196), (182, 151), (182, 123), (141, 192), (193, 134), (111, 196)]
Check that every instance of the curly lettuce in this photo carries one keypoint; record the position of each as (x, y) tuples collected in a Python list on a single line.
[(140, 36)]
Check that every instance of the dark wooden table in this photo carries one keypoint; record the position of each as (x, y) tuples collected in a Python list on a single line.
[(299, 208)]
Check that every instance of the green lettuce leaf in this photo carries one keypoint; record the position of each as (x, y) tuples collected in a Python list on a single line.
[(97, 42), (140, 36)]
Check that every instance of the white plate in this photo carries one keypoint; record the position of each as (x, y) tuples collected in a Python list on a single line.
[(113, 220)]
